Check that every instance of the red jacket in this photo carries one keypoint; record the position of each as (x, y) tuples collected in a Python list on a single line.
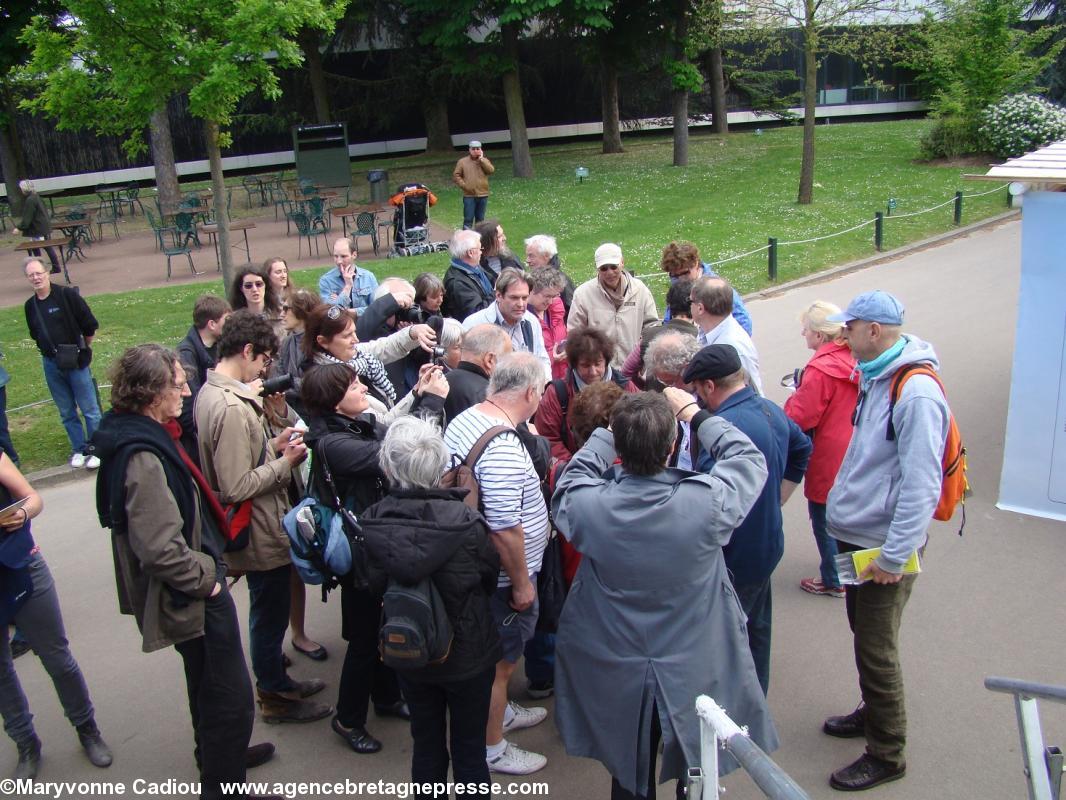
[(549, 418), (553, 325), (825, 402)]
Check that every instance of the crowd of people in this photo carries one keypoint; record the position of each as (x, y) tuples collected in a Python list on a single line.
[(636, 449)]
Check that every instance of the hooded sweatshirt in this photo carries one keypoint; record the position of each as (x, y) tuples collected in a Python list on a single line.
[(886, 491)]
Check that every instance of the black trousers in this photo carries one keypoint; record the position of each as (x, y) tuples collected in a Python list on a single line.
[(618, 793), (460, 708), (220, 696), (363, 676)]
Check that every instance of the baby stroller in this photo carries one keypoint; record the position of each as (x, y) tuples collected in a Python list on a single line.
[(411, 221)]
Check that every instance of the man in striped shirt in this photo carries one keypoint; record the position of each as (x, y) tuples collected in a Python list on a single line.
[(514, 509)]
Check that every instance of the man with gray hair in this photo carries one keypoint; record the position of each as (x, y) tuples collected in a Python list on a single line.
[(712, 311), (542, 252), (667, 359), (35, 222), (513, 506), (510, 312), (467, 287), (482, 348)]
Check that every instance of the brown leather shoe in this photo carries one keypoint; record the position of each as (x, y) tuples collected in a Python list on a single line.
[(289, 707), (865, 773), (848, 726), (310, 687)]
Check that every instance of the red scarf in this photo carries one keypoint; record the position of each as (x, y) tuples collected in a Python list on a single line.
[(174, 429)]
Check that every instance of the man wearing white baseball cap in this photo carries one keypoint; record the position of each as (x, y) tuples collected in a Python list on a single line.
[(471, 174), (884, 496), (614, 302)]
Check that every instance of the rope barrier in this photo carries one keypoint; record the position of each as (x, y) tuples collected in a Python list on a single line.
[(990, 191), (37, 403), (714, 264), (830, 235), (924, 211)]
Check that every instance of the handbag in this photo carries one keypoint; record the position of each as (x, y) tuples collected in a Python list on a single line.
[(359, 575), (67, 356), (551, 586)]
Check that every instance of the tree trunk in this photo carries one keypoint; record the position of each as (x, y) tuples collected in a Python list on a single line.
[(612, 129), (522, 161), (719, 112), (166, 174), (680, 128), (11, 155), (810, 94), (310, 40), (218, 189), (435, 113)]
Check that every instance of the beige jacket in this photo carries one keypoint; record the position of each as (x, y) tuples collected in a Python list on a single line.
[(152, 555), (473, 176), (592, 307), (233, 440)]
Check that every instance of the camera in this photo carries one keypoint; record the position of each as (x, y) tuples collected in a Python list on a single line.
[(438, 354), (415, 315), (279, 383)]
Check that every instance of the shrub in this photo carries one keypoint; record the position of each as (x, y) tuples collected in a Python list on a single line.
[(950, 137), (1020, 123)]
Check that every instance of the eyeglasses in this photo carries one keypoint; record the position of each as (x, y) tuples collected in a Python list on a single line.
[(606, 267), (32, 275), (285, 306), (334, 313), (267, 360), (253, 284)]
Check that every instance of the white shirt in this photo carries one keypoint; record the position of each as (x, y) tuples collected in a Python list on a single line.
[(492, 316), (728, 331)]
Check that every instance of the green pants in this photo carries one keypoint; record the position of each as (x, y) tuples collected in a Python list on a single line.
[(874, 612)]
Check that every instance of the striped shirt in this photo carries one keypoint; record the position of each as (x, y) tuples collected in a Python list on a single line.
[(510, 489)]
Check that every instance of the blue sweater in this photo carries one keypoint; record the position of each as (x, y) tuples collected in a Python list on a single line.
[(758, 543)]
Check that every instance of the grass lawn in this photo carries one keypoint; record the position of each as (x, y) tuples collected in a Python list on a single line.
[(737, 191)]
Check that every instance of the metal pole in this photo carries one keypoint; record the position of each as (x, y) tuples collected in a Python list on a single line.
[(768, 776), (958, 208), (879, 231), (773, 258)]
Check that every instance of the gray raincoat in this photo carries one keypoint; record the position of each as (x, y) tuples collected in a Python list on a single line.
[(651, 616)]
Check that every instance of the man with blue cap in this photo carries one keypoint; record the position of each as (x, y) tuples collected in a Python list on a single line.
[(884, 496)]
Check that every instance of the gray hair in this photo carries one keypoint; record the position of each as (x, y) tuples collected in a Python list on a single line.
[(543, 244), (670, 353), (462, 242), (516, 373), (413, 454), (451, 333), (547, 278), (26, 186), (509, 277), (485, 338), (390, 285)]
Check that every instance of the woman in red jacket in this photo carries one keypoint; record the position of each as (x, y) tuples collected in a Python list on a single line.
[(823, 405)]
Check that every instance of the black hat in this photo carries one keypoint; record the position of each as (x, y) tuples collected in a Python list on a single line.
[(712, 362)]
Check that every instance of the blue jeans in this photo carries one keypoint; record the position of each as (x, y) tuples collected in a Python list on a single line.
[(5, 435), (268, 617), (73, 390), (540, 658), (757, 603), (42, 622), (827, 545), (474, 210)]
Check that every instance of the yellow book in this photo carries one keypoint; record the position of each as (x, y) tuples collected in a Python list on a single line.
[(862, 559)]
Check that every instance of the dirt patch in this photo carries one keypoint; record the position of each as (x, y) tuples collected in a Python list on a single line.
[(979, 161)]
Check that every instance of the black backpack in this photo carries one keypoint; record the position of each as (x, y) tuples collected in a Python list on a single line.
[(415, 630)]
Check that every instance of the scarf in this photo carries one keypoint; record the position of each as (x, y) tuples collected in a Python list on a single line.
[(368, 367), (206, 492), (616, 296), (874, 367)]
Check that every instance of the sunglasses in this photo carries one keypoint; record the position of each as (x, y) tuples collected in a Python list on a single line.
[(253, 285), (334, 312), (285, 306), (606, 267)]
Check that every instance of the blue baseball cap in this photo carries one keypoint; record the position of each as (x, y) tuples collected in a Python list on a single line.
[(875, 306)]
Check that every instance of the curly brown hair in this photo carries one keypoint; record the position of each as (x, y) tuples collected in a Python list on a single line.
[(679, 257), (588, 344), (592, 408), (141, 375)]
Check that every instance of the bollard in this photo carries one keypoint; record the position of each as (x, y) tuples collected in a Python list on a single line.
[(958, 208), (879, 231), (773, 258), (1010, 198)]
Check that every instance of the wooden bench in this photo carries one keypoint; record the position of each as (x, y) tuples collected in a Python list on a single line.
[(60, 244)]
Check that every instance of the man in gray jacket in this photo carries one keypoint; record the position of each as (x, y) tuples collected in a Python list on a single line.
[(884, 496)]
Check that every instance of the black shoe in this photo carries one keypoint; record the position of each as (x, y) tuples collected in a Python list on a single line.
[(94, 745), (865, 773), (19, 647), (29, 759), (317, 654), (258, 754), (359, 739), (538, 690), (849, 726), (397, 709)]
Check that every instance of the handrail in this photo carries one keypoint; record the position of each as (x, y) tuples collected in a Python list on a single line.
[(1041, 691)]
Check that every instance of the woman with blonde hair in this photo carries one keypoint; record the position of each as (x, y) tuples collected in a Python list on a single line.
[(822, 405)]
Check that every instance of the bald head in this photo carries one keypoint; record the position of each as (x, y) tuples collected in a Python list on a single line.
[(484, 345)]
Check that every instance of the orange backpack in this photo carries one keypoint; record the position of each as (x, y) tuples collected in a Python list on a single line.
[(955, 488)]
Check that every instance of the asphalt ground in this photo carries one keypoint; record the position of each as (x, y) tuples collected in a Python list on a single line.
[(988, 603)]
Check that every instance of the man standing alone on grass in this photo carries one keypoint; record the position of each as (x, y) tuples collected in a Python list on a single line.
[(471, 174)]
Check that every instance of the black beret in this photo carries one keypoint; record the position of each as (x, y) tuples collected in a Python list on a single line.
[(712, 362)]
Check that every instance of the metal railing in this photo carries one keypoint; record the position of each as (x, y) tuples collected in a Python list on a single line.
[(1042, 765), (718, 730)]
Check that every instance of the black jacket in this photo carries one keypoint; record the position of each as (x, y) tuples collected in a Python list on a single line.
[(79, 320), (414, 534), (468, 385), (350, 448), (196, 360), (463, 293)]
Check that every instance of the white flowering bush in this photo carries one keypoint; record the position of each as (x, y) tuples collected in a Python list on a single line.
[(1020, 123)]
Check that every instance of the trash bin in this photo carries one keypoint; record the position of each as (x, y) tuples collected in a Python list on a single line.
[(379, 185)]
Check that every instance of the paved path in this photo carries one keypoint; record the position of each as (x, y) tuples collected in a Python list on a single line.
[(989, 602)]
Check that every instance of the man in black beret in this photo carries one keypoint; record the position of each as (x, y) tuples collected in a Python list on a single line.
[(758, 543)]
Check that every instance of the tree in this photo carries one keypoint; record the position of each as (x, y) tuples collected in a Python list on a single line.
[(843, 27), (1054, 77), (113, 65)]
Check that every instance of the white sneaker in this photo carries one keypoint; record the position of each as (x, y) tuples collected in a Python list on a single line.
[(524, 718), (77, 460), (516, 761), (92, 462)]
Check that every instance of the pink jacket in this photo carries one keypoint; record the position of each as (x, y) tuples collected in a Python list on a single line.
[(825, 402), (553, 324)]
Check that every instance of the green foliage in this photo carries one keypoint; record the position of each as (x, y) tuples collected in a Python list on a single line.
[(949, 137), (684, 75), (970, 54), (1020, 123)]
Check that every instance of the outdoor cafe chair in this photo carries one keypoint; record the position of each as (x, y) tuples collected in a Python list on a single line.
[(174, 245), (307, 231), (159, 229), (365, 226), (105, 215)]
